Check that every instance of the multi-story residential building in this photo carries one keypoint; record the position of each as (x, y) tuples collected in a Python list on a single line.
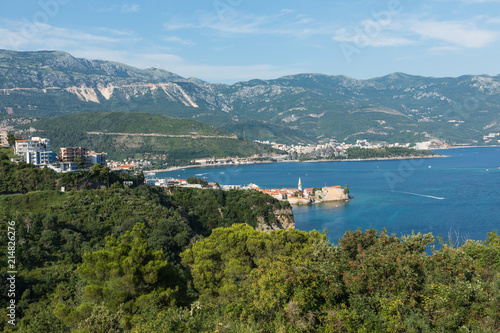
[(35, 151), (70, 154), (43, 141), (40, 157), (99, 158), (3, 139)]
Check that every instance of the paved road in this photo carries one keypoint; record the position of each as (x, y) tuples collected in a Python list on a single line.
[(193, 136)]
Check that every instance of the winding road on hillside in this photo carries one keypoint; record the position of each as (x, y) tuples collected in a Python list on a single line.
[(193, 136)]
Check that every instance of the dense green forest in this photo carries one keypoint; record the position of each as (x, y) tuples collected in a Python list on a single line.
[(368, 153), (386, 152), (127, 122), (143, 259)]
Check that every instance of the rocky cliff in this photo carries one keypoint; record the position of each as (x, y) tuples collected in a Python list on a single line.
[(283, 220)]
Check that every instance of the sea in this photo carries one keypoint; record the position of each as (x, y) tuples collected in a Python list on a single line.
[(455, 197)]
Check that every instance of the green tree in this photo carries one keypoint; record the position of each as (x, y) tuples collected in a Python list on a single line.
[(346, 189), (104, 175), (194, 180), (221, 264), (127, 274), (11, 139), (102, 320), (79, 162)]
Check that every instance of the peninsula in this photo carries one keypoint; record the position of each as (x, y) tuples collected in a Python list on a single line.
[(307, 196)]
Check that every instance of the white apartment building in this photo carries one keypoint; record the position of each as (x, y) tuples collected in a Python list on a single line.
[(3, 139)]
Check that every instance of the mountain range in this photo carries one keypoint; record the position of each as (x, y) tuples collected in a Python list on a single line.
[(296, 108)]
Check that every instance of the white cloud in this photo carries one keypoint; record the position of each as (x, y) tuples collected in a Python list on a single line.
[(211, 73), (178, 40), (441, 49), (231, 74), (471, 2), (107, 9), (106, 44), (366, 37), (481, 1), (130, 8), (23, 35), (457, 33), (448, 35), (286, 22)]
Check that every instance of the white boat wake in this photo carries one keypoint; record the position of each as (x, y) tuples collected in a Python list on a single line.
[(421, 195)]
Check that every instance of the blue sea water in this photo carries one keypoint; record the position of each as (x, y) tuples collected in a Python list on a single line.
[(457, 197)]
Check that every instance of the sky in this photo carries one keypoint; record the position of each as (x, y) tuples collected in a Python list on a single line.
[(226, 41)]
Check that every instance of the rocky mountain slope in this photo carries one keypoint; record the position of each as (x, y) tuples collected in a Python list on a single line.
[(303, 107)]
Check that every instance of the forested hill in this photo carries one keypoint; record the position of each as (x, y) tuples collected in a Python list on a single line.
[(54, 230), (306, 107), (126, 134), (150, 260), (126, 122)]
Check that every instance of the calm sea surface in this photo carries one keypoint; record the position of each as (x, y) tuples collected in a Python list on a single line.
[(458, 195)]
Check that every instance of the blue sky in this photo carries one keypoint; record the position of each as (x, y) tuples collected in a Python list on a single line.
[(234, 40)]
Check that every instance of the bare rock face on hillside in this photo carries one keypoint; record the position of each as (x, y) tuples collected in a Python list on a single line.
[(284, 220), (393, 108)]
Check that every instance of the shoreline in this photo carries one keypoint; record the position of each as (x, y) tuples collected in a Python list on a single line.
[(378, 159), (458, 147), (174, 168)]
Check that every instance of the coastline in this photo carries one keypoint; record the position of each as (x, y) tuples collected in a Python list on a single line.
[(378, 159), (455, 147), (173, 168)]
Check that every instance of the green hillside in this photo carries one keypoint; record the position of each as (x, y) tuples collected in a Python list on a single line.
[(150, 260), (141, 135), (54, 230), (127, 122)]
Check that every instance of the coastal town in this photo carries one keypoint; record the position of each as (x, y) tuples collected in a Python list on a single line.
[(331, 150), (295, 196), (38, 151)]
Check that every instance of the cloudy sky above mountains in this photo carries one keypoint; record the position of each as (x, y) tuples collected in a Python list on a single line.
[(234, 40)]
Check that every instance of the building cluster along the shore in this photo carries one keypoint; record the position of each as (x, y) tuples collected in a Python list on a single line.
[(332, 147), (295, 196), (327, 150), (300, 196)]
